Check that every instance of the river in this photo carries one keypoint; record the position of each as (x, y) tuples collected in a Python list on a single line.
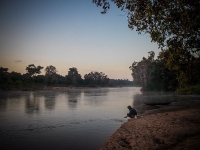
[(73, 119)]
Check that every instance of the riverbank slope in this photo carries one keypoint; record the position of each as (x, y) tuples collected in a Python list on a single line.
[(174, 129)]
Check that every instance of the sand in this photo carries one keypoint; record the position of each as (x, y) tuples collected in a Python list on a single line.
[(171, 129)]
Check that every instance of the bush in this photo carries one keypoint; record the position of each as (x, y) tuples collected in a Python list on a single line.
[(189, 90)]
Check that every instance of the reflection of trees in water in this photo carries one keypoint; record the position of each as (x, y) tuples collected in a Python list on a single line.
[(33, 100), (96, 92), (3, 104), (10, 95), (50, 100), (73, 96), (32, 103), (3, 101), (12, 98), (95, 96)]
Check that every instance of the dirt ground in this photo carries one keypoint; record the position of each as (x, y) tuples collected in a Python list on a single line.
[(175, 129)]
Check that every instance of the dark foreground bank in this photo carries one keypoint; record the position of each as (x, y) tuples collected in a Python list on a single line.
[(169, 129)]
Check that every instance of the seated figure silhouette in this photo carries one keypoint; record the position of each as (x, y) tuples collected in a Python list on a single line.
[(132, 113)]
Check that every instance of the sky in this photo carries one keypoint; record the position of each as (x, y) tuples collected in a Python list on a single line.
[(69, 33)]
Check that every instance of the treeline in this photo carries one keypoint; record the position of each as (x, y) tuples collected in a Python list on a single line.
[(33, 80), (173, 70), (175, 26)]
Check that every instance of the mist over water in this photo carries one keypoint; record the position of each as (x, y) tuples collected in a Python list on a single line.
[(74, 119)]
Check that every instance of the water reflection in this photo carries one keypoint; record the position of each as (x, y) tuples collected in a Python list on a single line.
[(96, 92), (94, 97), (58, 124), (3, 102), (73, 96), (8, 100), (50, 100), (32, 103)]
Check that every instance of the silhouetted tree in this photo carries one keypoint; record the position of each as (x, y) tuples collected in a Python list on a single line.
[(73, 77), (3, 78), (50, 75), (96, 78), (32, 70)]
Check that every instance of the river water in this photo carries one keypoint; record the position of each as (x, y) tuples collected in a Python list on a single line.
[(73, 119)]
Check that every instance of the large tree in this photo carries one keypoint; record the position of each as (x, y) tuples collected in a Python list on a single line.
[(140, 70), (32, 70), (50, 74), (73, 77), (173, 24), (153, 74), (96, 78), (3, 74), (183, 64)]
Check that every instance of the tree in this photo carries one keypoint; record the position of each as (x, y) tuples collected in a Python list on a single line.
[(15, 76), (73, 77), (3, 72), (50, 74), (183, 64), (49, 70), (140, 72), (152, 74), (96, 78), (32, 70), (162, 79), (3, 77), (173, 24)]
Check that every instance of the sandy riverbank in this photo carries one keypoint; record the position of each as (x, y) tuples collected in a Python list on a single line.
[(171, 129)]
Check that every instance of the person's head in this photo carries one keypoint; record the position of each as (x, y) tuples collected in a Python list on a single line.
[(129, 107)]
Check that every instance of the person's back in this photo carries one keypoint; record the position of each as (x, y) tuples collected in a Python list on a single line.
[(132, 112)]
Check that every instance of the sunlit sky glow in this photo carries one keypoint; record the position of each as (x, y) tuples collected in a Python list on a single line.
[(69, 33)]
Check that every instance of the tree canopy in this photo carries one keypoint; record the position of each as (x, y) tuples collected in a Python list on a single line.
[(32, 70), (73, 76), (50, 74), (96, 78), (49, 70), (173, 24), (33, 80)]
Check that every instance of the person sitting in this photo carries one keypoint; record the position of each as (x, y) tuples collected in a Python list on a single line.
[(132, 113)]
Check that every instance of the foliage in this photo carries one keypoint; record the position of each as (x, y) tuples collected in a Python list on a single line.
[(3, 74), (4, 78), (174, 26), (120, 82), (189, 90), (183, 64), (161, 78), (96, 78), (140, 70), (50, 75), (153, 75), (171, 23), (32, 70), (32, 80), (50, 70), (172, 70), (73, 76)]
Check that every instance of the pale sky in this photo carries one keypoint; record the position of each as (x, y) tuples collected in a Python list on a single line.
[(69, 33)]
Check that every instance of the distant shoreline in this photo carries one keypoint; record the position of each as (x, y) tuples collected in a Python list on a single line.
[(58, 88)]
